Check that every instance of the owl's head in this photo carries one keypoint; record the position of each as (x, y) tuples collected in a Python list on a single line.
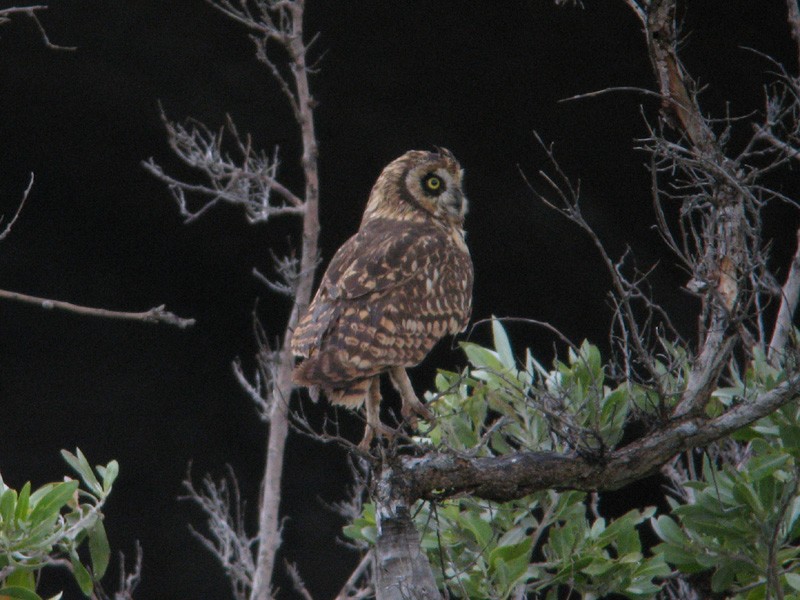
[(420, 181)]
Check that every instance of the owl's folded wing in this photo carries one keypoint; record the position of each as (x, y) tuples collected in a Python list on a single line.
[(385, 254)]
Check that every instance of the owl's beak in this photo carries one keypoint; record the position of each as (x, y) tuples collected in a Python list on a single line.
[(455, 203)]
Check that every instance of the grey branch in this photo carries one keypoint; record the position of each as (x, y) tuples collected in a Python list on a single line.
[(158, 314), (13, 220), (790, 294)]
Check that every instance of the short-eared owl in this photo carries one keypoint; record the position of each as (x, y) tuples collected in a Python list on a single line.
[(393, 290)]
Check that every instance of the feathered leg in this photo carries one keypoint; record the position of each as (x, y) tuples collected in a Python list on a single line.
[(411, 404), (374, 424)]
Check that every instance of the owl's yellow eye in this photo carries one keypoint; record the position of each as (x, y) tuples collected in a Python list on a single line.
[(433, 184)]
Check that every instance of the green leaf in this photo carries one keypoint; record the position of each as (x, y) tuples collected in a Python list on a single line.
[(82, 576), (52, 502), (482, 358), (20, 593), (22, 578), (23, 502), (723, 577), (99, 550), (109, 474), (793, 579), (480, 529), (8, 503), (81, 466), (668, 530), (502, 345)]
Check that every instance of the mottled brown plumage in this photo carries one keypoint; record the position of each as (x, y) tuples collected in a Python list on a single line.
[(393, 290)]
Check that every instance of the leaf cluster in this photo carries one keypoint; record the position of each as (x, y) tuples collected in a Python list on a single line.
[(49, 525)]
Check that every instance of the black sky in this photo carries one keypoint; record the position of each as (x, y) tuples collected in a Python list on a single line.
[(477, 77)]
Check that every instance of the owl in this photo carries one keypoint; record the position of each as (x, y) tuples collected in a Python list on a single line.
[(393, 290)]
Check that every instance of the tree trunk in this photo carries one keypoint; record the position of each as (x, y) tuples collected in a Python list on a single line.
[(402, 571)]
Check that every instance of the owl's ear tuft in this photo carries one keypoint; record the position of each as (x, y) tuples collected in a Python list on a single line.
[(445, 153)]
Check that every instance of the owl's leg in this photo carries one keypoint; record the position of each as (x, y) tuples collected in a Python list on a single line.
[(411, 404), (374, 425)]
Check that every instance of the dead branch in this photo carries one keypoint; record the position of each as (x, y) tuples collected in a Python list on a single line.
[(228, 540), (30, 11), (351, 590), (248, 179), (790, 293), (13, 220), (129, 581), (157, 314)]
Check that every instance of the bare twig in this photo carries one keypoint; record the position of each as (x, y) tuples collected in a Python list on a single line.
[(247, 180), (30, 12), (13, 220), (129, 581), (297, 581), (228, 540), (157, 314), (351, 590)]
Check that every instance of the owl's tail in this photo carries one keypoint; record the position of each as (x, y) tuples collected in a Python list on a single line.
[(351, 393)]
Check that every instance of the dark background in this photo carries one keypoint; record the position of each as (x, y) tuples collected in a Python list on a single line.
[(477, 77)]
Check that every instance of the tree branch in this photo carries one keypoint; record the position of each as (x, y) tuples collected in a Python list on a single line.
[(157, 314), (442, 475)]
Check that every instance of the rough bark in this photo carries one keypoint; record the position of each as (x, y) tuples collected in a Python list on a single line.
[(402, 571)]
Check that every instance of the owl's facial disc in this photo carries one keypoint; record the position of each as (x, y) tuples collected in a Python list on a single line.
[(441, 192)]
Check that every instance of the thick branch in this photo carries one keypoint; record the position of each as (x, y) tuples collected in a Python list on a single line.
[(439, 475), (269, 530), (155, 315)]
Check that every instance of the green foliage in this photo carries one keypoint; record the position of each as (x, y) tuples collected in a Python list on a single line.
[(735, 517), (548, 542), (544, 542), (740, 520), (49, 525)]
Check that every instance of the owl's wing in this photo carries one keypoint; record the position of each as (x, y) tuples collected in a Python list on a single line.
[(388, 296), (383, 255)]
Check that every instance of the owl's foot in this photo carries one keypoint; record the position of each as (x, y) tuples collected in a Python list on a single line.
[(412, 406), (382, 430)]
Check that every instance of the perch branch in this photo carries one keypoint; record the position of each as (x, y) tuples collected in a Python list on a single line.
[(442, 475)]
